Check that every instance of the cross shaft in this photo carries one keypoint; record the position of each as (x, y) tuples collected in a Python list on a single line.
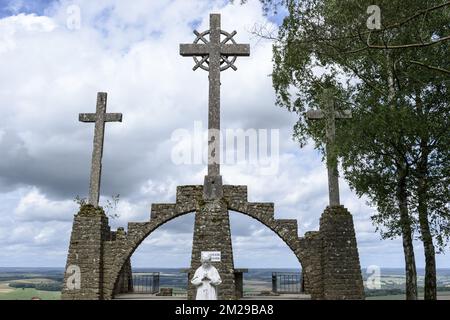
[(212, 52), (330, 115), (100, 118)]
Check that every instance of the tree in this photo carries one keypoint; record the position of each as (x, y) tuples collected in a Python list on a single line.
[(395, 78)]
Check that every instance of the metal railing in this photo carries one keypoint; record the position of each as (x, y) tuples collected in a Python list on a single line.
[(146, 283), (283, 282)]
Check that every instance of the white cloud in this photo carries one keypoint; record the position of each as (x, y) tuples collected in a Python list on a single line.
[(130, 49), (34, 206), (14, 27)]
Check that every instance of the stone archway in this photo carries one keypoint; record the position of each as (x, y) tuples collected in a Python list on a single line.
[(329, 257), (118, 251)]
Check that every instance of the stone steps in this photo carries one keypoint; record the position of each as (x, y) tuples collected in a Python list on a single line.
[(162, 209), (136, 229), (286, 227), (189, 198), (265, 212)]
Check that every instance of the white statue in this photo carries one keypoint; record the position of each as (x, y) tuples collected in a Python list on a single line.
[(206, 279)]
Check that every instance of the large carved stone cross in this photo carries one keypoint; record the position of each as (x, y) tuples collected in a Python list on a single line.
[(330, 115), (100, 118), (214, 55)]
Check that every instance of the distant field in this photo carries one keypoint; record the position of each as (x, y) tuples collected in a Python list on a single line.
[(8, 293), (252, 286), (443, 295), (28, 294), (34, 280), (255, 281), (5, 288)]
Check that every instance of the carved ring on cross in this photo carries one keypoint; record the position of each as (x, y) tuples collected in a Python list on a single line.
[(225, 61)]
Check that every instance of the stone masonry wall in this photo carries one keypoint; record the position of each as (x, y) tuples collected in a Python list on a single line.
[(90, 229), (311, 247), (341, 269), (329, 257), (190, 199)]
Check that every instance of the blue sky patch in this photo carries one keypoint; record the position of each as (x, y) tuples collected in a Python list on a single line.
[(195, 24), (15, 7)]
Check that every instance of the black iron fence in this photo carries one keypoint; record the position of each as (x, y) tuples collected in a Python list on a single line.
[(283, 282), (146, 283)]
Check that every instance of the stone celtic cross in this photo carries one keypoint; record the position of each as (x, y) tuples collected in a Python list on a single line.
[(214, 51), (100, 118), (330, 115)]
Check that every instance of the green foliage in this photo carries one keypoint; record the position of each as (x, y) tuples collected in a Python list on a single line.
[(21, 285), (42, 286), (400, 108)]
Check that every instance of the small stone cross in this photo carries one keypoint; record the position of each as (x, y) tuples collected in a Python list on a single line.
[(100, 118), (330, 115)]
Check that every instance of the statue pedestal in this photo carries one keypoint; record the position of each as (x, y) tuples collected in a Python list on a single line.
[(212, 233)]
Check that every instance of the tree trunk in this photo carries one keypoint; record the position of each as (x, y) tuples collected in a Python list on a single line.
[(422, 209), (402, 198), (408, 249)]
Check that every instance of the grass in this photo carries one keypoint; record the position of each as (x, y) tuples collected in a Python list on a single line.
[(9, 293), (34, 280), (28, 293), (442, 295)]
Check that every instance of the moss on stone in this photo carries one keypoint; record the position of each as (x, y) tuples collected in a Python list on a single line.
[(337, 210), (121, 232), (89, 210)]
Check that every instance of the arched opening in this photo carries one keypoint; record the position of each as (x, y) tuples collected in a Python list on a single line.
[(166, 251), (273, 267), (157, 260)]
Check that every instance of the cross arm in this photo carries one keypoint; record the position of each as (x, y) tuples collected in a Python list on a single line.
[(92, 117), (345, 114), (191, 49), (113, 117), (319, 114), (314, 114), (87, 117), (239, 50)]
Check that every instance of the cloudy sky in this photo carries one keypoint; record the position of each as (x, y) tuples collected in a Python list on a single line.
[(56, 55)]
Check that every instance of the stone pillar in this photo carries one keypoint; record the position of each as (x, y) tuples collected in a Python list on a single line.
[(341, 268), (83, 279), (125, 282), (239, 282), (312, 271), (212, 233)]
